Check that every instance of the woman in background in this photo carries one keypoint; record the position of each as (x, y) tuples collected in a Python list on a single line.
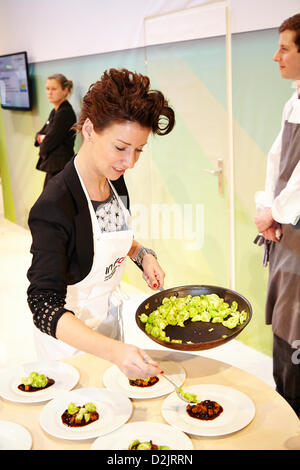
[(81, 228), (56, 139)]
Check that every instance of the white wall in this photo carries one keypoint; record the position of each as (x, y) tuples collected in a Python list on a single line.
[(57, 29)]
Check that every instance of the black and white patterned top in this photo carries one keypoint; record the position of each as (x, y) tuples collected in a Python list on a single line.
[(110, 214), (48, 306)]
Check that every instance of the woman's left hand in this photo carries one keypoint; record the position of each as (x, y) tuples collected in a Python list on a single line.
[(152, 272)]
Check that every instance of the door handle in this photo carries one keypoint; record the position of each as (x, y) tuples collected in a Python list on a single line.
[(219, 172)]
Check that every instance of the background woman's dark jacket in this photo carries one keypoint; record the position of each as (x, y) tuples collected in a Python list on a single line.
[(57, 147)]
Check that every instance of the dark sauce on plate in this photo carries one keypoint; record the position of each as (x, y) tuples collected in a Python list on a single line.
[(29, 388), (143, 383), (206, 410), (70, 419)]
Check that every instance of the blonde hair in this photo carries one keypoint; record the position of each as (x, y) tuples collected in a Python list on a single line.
[(62, 80)]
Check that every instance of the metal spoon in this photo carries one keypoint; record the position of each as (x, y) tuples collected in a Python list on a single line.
[(177, 390)]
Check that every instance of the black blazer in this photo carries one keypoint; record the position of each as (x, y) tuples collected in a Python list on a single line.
[(62, 236), (57, 147)]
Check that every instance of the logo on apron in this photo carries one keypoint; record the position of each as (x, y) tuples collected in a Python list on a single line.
[(112, 268)]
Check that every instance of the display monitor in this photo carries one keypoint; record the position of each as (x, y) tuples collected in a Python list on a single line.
[(14, 82)]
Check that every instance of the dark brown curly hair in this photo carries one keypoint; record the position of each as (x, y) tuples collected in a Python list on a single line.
[(121, 95)]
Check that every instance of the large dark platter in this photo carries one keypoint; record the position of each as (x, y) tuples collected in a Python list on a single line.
[(196, 332)]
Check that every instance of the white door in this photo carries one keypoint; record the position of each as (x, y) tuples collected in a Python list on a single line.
[(190, 174)]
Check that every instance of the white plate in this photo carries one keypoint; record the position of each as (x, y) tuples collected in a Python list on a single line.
[(238, 411), (113, 407), (64, 375), (114, 379), (13, 436), (158, 433)]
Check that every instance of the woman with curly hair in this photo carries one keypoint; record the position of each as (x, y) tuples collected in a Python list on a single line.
[(81, 228)]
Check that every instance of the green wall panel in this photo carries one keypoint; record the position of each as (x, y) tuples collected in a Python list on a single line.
[(8, 202), (259, 92)]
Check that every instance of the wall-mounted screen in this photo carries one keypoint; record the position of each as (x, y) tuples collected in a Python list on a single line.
[(14, 82)]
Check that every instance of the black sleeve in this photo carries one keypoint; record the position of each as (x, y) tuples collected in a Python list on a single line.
[(48, 272), (43, 130), (57, 129)]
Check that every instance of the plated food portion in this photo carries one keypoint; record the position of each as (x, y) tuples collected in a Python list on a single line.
[(85, 413), (205, 410), (219, 410), (147, 445), (152, 387), (37, 381), (143, 382), (80, 415), (145, 434), (193, 317)]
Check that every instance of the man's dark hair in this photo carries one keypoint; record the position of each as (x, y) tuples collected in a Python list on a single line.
[(293, 24)]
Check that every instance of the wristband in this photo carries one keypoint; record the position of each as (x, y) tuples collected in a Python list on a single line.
[(142, 252)]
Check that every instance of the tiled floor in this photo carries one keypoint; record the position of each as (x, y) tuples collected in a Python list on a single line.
[(16, 338)]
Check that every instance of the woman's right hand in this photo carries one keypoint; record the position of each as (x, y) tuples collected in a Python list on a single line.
[(134, 362)]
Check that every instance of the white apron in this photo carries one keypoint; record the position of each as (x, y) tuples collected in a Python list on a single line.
[(95, 300)]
